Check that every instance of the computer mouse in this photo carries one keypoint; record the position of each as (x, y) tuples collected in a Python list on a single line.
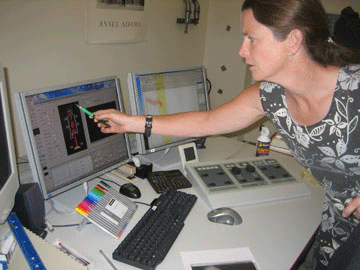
[(224, 215), (130, 190)]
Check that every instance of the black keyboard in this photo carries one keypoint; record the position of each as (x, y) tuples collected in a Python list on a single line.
[(164, 180), (149, 241)]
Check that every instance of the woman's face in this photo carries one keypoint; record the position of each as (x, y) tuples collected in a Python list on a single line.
[(266, 57)]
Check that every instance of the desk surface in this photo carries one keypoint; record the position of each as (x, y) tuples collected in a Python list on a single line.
[(275, 232)]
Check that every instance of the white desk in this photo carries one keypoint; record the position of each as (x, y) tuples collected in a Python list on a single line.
[(276, 232)]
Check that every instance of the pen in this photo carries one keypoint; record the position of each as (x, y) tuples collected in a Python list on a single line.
[(73, 253), (92, 115), (107, 259), (85, 110)]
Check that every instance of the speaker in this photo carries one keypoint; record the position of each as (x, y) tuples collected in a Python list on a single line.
[(30, 208)]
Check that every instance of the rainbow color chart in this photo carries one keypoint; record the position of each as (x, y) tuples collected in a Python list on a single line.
[(107, 208)]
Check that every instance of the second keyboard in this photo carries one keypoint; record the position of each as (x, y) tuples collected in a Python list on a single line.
[(164, 180)]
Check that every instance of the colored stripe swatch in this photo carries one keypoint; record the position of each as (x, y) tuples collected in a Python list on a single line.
[(107, 208)]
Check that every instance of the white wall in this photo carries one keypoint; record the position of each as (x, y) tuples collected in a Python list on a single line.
[(221, 48), (42, 44), (335, 6)]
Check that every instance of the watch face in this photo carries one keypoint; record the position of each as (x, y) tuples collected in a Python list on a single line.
[(189, 153)]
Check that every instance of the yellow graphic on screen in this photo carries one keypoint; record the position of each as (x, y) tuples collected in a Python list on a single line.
[(161, 97)]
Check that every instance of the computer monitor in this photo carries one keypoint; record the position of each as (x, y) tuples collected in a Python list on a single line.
[(9, 181), (64, 146), (166, 92)]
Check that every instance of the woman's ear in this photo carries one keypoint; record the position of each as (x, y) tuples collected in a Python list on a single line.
[(294, 41)]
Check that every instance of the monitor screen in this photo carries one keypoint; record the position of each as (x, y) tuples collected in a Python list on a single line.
[(166, 92), (64, 146), (9, 181)]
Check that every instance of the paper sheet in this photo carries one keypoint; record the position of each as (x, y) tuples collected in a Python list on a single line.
[(219, 259)]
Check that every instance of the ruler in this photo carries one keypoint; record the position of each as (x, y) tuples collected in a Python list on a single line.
[(24, 242)]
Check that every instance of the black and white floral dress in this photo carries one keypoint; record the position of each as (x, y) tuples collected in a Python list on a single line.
[(330, 150)]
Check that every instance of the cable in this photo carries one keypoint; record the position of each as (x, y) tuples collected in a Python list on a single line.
[(210, 86), (187, 14), (120, 186), (52, 204), (163, 155), (102, 178), (196, 11), (147, 204)]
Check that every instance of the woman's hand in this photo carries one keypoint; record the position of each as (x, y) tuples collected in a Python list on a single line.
[(119, 122), (353, 208)]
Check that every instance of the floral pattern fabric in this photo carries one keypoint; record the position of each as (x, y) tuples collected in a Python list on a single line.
[(330, 150)]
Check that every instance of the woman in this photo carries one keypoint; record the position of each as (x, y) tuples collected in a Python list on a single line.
[(310, 90)]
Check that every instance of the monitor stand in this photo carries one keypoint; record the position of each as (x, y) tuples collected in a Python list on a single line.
[(164, 160)]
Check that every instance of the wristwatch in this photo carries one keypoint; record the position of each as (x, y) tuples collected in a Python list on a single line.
[(148, 126)]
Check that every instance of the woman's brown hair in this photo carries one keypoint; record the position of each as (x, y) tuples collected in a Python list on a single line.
[(309, 16)]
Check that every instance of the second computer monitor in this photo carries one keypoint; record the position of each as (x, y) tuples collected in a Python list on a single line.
[(166, 92)]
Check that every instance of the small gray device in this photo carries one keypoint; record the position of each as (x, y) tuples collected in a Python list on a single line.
[(188, 154)]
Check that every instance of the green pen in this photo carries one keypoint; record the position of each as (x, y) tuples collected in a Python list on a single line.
[(92, 115)]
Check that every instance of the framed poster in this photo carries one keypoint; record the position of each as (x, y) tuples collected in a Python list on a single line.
[(115, 21)]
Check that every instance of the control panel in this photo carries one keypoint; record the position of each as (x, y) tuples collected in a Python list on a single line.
[(242, 182)]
